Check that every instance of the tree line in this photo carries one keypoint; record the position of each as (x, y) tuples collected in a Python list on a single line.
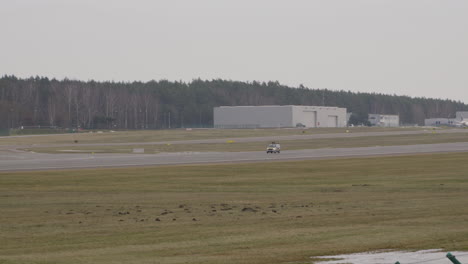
[(40, 101)]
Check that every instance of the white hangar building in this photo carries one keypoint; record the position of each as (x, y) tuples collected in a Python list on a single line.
[(441, 121), (268, 116), (384, 120)]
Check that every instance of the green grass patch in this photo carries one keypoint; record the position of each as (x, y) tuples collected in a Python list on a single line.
[(234, 213), (37, 131)]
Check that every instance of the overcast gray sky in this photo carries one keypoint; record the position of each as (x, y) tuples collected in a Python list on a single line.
[(405, 47)]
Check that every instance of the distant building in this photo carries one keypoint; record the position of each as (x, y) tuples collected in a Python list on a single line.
[(440, 121), (384, 120), (276, 116)]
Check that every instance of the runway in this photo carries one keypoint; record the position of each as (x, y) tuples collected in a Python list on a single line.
[(24, 161)]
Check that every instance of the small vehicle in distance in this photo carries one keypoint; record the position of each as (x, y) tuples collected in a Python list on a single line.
[(273, 148), (300, 125)]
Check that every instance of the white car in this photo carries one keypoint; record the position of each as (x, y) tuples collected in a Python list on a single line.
[(273, 148)]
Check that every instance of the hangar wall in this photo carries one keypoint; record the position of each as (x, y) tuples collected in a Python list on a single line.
[(252, 116), (319, 116), (278, 116)]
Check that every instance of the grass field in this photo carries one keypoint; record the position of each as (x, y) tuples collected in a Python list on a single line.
[(244, 213), (180, 134), (260, 146)]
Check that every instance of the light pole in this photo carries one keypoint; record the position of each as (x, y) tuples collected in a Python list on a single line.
[(35, 116), (139, 116), (199, 120), (10, 123), (169, 119)]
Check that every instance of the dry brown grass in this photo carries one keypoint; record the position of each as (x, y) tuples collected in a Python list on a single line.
[(344, 142), (178, 134), (244, 213)]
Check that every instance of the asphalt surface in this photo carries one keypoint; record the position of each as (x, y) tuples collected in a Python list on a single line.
[(12, 160)]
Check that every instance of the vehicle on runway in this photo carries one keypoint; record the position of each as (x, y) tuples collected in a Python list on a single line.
[(273, 148)]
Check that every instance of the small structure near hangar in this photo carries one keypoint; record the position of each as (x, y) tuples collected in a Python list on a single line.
[(440, 121), (384, 120)]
